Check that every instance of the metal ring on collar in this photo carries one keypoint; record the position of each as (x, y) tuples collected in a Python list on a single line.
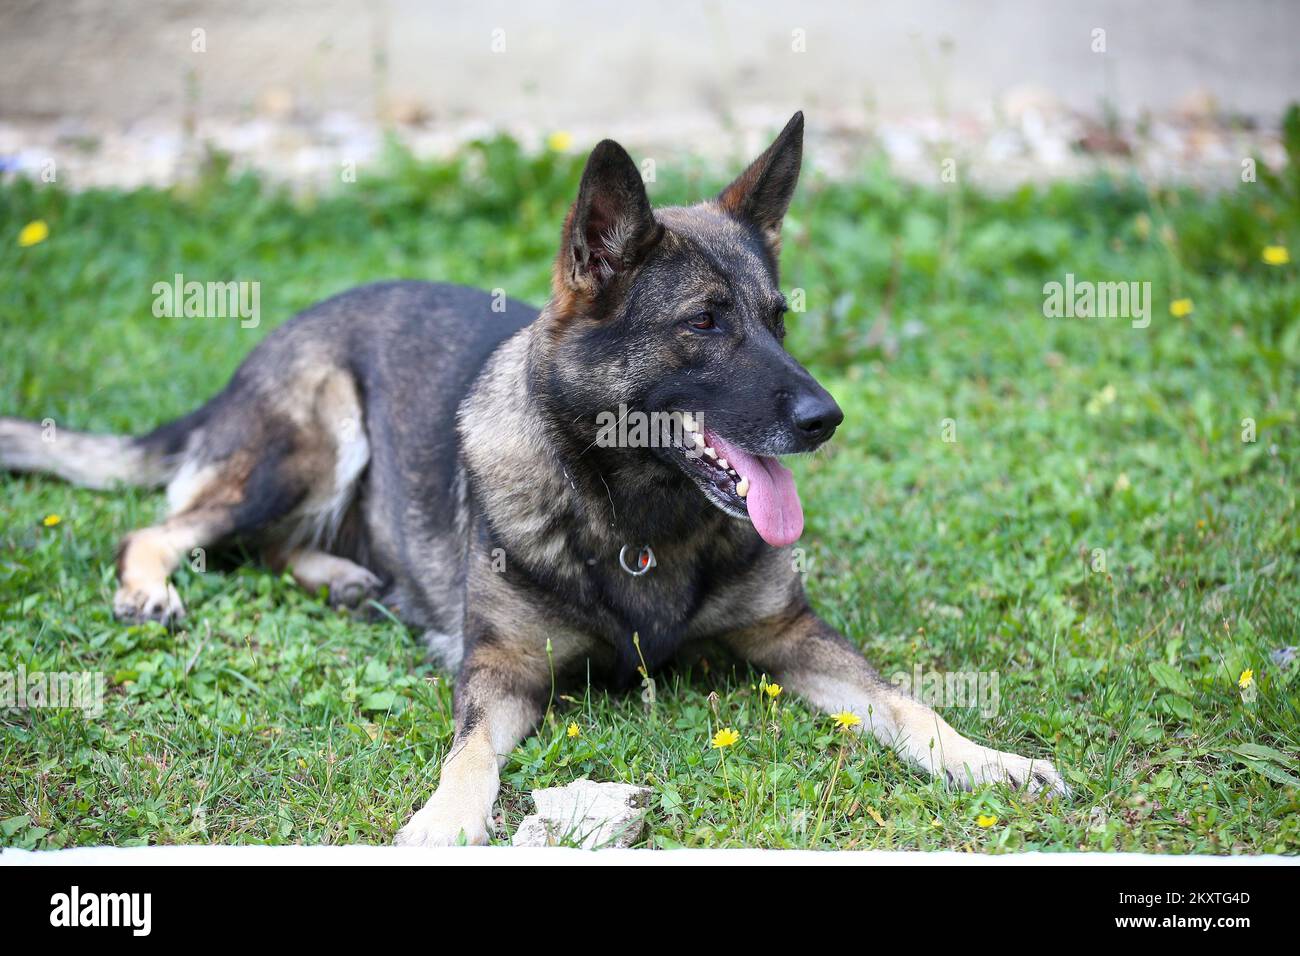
[(645, 561)]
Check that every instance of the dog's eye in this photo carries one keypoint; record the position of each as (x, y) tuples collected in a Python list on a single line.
[(703, 322)]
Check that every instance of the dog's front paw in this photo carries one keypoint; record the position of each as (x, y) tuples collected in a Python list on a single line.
[(445, 821), (974, 765), (158, 602)]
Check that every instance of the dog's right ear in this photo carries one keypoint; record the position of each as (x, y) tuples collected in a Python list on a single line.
[(610, 228)]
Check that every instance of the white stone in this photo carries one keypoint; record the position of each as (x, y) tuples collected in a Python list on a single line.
[(587, 814)]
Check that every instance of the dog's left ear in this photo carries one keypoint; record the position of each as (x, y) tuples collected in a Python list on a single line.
[(762, 193)]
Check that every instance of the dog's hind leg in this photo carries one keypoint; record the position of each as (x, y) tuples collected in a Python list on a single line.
[(148, 557), (211, 503), (349, 584), (279, 470)]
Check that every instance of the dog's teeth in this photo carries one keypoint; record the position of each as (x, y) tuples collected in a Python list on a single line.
[(710, 452), (732, 473), (688, 422), (698, 439), (742, 487), (722, 463)]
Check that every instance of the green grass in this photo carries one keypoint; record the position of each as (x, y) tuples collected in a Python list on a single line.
[(272, 719)]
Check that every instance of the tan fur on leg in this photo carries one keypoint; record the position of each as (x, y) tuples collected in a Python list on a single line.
[(149, 556), (462, 804)]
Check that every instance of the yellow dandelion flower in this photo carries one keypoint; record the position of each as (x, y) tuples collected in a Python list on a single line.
[(574, 730), (33, 232), (1275, 255), (1246, 679), (846, 719), (724, 738), (51, 520), (560, 141), (985, 821), (773, 690), (1181, 308)]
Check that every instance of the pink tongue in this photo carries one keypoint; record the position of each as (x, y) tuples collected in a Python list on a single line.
[(773, 501)]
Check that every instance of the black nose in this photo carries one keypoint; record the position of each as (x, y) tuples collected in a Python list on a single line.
[(816, 415)]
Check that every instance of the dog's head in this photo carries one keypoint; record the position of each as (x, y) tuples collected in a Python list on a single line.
[(674, 318)]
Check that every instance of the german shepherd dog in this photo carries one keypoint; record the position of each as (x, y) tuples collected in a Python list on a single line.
[(440, 451)]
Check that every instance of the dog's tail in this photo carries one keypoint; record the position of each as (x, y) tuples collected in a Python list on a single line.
[(96, 461)]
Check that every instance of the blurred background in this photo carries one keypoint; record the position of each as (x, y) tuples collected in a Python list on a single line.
[(126, 91)]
